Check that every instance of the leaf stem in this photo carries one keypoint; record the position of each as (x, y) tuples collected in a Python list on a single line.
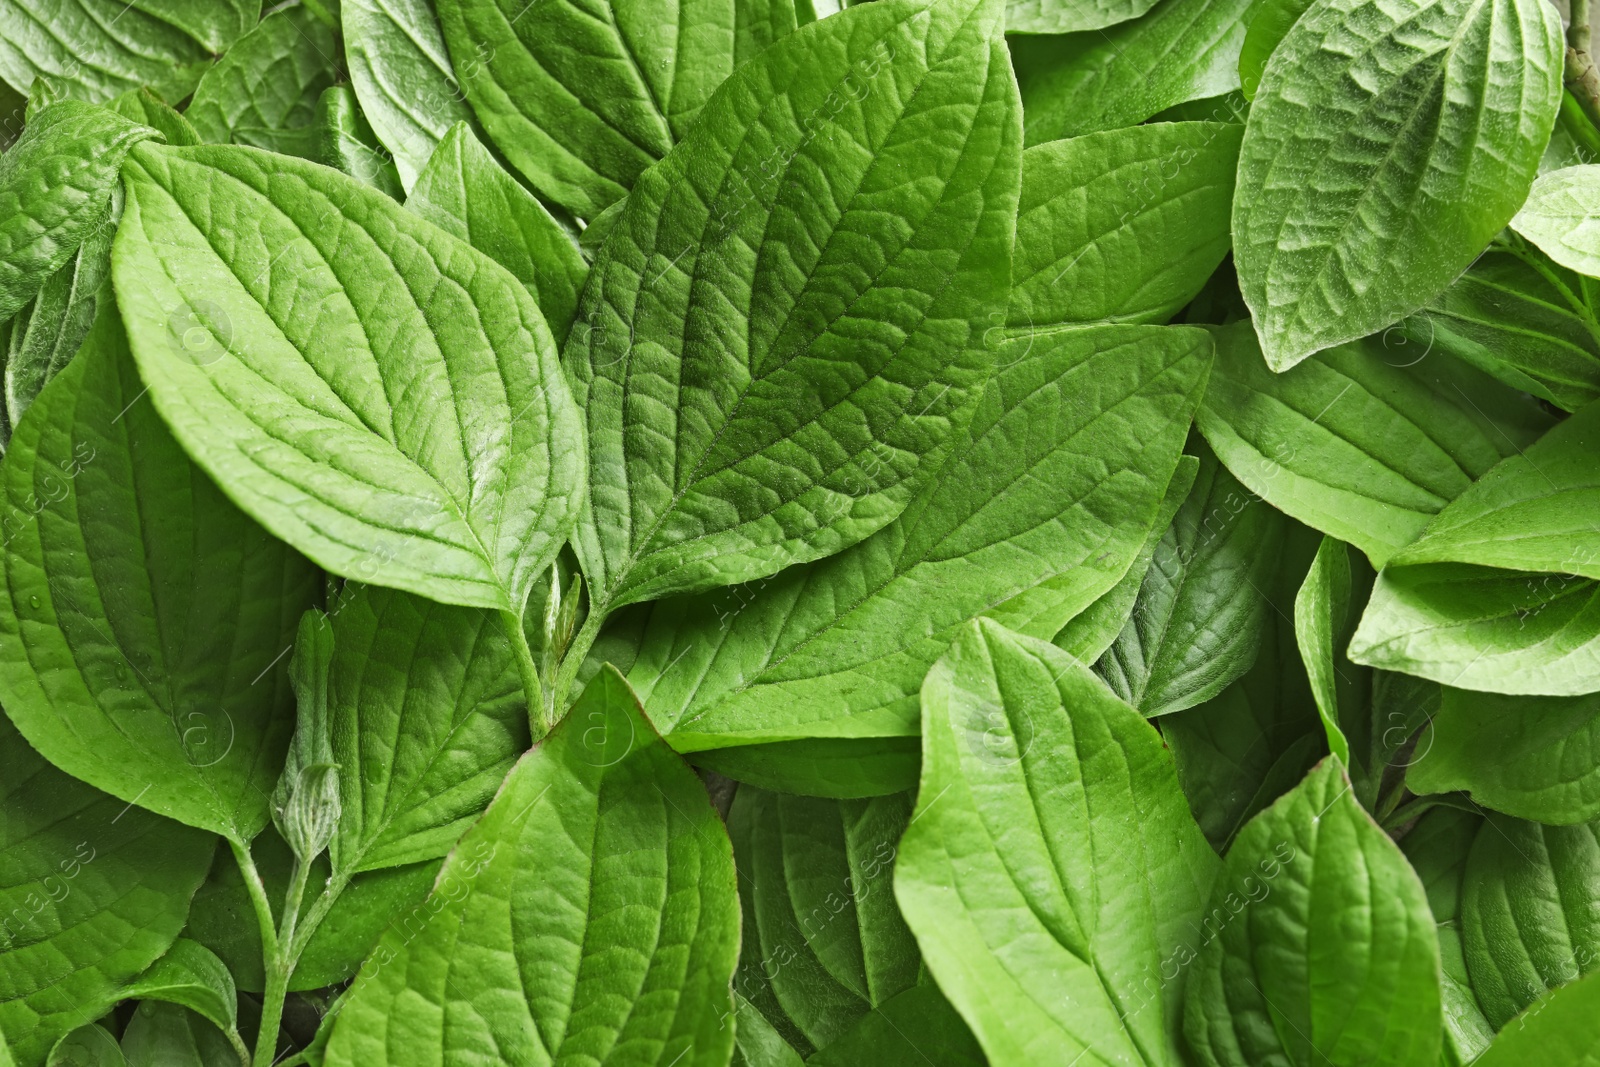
[(532, 690), (277, 984), (1582, 79), (577, 652)]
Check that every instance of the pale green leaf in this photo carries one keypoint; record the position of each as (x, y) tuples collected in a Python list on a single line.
[(1388, 142), (348, 144), (1030, 765), (1562, 217), (1070, 16), (1559, 1030), (148, 109), (145, 619), (1270, 22), (590, 916), (87, 1046), (322, 323)]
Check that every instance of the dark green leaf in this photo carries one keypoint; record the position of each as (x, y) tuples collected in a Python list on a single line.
[(165, 1035), (270, 78), (349, 145), (190, 975)]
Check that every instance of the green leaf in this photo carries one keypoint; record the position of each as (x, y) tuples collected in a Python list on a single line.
[(1387, 144), (590, 914), (224, 920), (583, 98), (755, 1042), (324, 341), (1121, 226), (426, 714), (840, 768), (1323, 622), (1483, 628), (1070, 16), (144, 617), (823, 942), (402, 75), (1254, 741), (270, 78), (1562, 217), (749, 410), (1437, 848), (96, 49), (1533, 757), (1197, 622), (915, 1027), (48, 331), (148, 109), (1364, 443), (1029, 766), (191, 975), (1088, 634), (1528, 915), (93, 891), (349, 145), (1521, 319), (1181, 50), (1558, 1031), (1318, 947), (1270, 22), (1026, 522), (165, 1035), (88, 1046), (464, 191), (55, 190)]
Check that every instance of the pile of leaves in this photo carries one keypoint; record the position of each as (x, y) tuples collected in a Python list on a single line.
[(949, 532)]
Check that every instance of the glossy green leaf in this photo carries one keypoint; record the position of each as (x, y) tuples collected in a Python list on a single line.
[(426, 714), (840, 768), (1197, 622), (1530, 911), (1437, 848), (463, 190), (165, 1035), (96, 49), (93, 891), (824, 944), (1088, 634), (348, 144), (224, 920), (1319, 947), (401, 73), (1560, 1030), (1484, 628), (1520, 318), (145, 619), (190, 975), (1181, 50), (1533, 757), (1070, 16), (770, 366), (1121, 226), (1027, 522), (322, 322), (1325, 613), (1387, 144), (55, 190), (1562, 217), (270, 78), (583, 97), (1029, 766), (1365, 443), (589, 916)]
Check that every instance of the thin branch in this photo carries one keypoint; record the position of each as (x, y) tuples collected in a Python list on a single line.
[(1582, 78)]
